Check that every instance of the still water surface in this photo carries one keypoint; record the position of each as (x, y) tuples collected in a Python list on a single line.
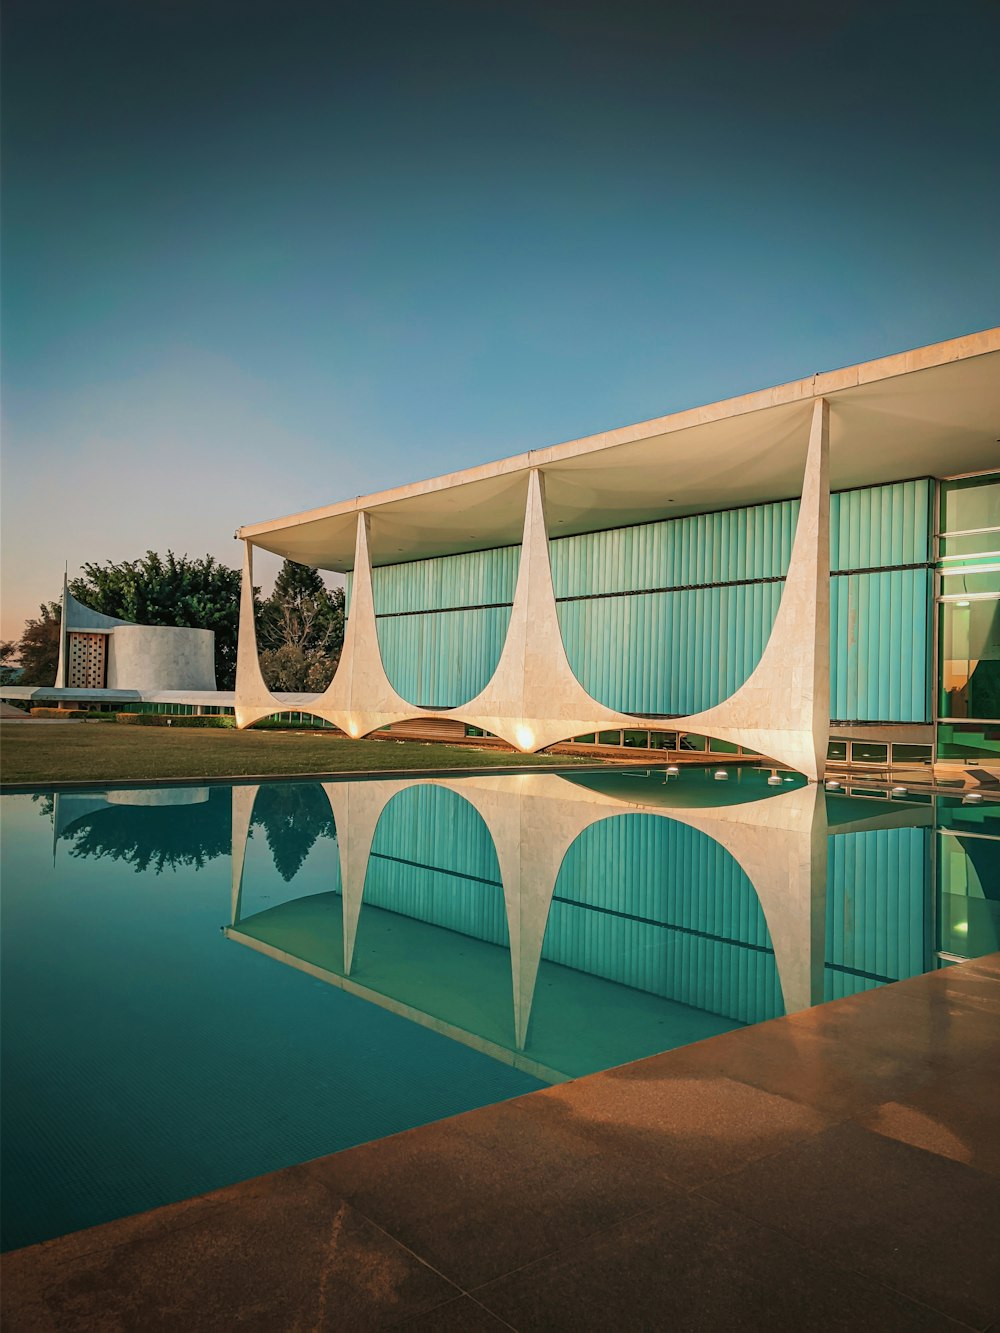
[(201, 984)]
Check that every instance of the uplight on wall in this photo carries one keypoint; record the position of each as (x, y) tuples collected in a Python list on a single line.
[(525, 738)]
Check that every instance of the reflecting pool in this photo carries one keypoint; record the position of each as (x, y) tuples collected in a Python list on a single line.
[(201, 984)]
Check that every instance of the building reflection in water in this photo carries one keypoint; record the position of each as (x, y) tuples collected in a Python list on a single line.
[(567, 924)]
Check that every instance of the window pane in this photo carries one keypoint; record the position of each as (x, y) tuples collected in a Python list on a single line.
[(636, 740), (610, 738), (971, 543), (584, 740), (973, 502), (868, 752), (911, 754), (690, 741), (970, 660), (836, 750), (953, 584), (663, 740), (977, 741), (722, 747)]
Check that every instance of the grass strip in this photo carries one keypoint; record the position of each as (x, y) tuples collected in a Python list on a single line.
[(89, 752)]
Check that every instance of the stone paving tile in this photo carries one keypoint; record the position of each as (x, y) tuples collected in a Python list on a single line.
[(488, 1191), (693, 1266), (915, 1221), (690, 1129), (462, 1316), (957, 1116), (989, 965), (850, 1056), (278, 1252)]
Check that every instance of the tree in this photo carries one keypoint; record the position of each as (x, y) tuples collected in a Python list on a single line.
[(301, 631), (10, 671), (293, 815), (38, 646), (293, 670), (155, 837), (170, 590)]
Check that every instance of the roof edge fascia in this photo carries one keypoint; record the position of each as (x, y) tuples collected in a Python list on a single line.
[(826, 384)]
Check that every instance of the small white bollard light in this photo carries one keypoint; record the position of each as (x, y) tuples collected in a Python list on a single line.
[(672, 771), (721, 775), (900, 791), (832, 784), (972, 798), (774, 780)]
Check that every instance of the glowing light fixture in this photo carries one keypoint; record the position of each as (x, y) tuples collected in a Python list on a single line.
[(972, 798), (721, 775), (832, 785), (672, 770), (774, 780), (962, 603), (525, 738), (900, 791)]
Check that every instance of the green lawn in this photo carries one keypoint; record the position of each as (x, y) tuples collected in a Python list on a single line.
[(105, 752)]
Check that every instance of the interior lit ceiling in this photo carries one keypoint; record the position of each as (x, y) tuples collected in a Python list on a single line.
[(937, 420)]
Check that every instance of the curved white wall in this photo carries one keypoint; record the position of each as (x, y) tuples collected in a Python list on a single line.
[(161, 657)]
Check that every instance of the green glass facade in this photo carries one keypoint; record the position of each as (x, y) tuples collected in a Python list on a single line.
[(661, 908), (670, 617), (969, 619)]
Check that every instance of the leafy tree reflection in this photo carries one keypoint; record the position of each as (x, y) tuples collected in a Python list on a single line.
[(292, 815), (156, 837)]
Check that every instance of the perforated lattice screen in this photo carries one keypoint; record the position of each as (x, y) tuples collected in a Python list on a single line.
[(87, 655)]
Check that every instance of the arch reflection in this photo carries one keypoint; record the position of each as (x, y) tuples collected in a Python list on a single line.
[(565, 925)]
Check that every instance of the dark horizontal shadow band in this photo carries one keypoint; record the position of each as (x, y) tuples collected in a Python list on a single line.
[(646, 592)]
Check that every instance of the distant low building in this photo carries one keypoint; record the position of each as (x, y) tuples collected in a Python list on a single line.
[(108, 663), (98, 652)]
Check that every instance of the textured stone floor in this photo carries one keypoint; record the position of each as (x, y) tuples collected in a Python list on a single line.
[(839, 1169)]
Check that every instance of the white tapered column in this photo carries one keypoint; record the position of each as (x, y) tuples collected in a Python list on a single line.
[(533, 698), (243, 798), (530, 839), (253, 699), (360, 698), (783, 708), (357, 808)]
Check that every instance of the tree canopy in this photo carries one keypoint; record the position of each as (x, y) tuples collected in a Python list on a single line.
[(300, 626), (38, 647), (300, 630), (10, 670)]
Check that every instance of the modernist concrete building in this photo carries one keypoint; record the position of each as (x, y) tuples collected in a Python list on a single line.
[(107, 661), (810, 572)]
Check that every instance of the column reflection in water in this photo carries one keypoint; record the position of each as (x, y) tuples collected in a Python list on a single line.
[(564, 926)]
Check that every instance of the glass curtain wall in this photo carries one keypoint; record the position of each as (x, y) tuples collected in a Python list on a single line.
[(969, 619)]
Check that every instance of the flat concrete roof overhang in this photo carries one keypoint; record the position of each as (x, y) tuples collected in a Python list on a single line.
[(930, 412)]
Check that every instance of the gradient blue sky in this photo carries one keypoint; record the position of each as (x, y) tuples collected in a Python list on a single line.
[(263, 256)]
